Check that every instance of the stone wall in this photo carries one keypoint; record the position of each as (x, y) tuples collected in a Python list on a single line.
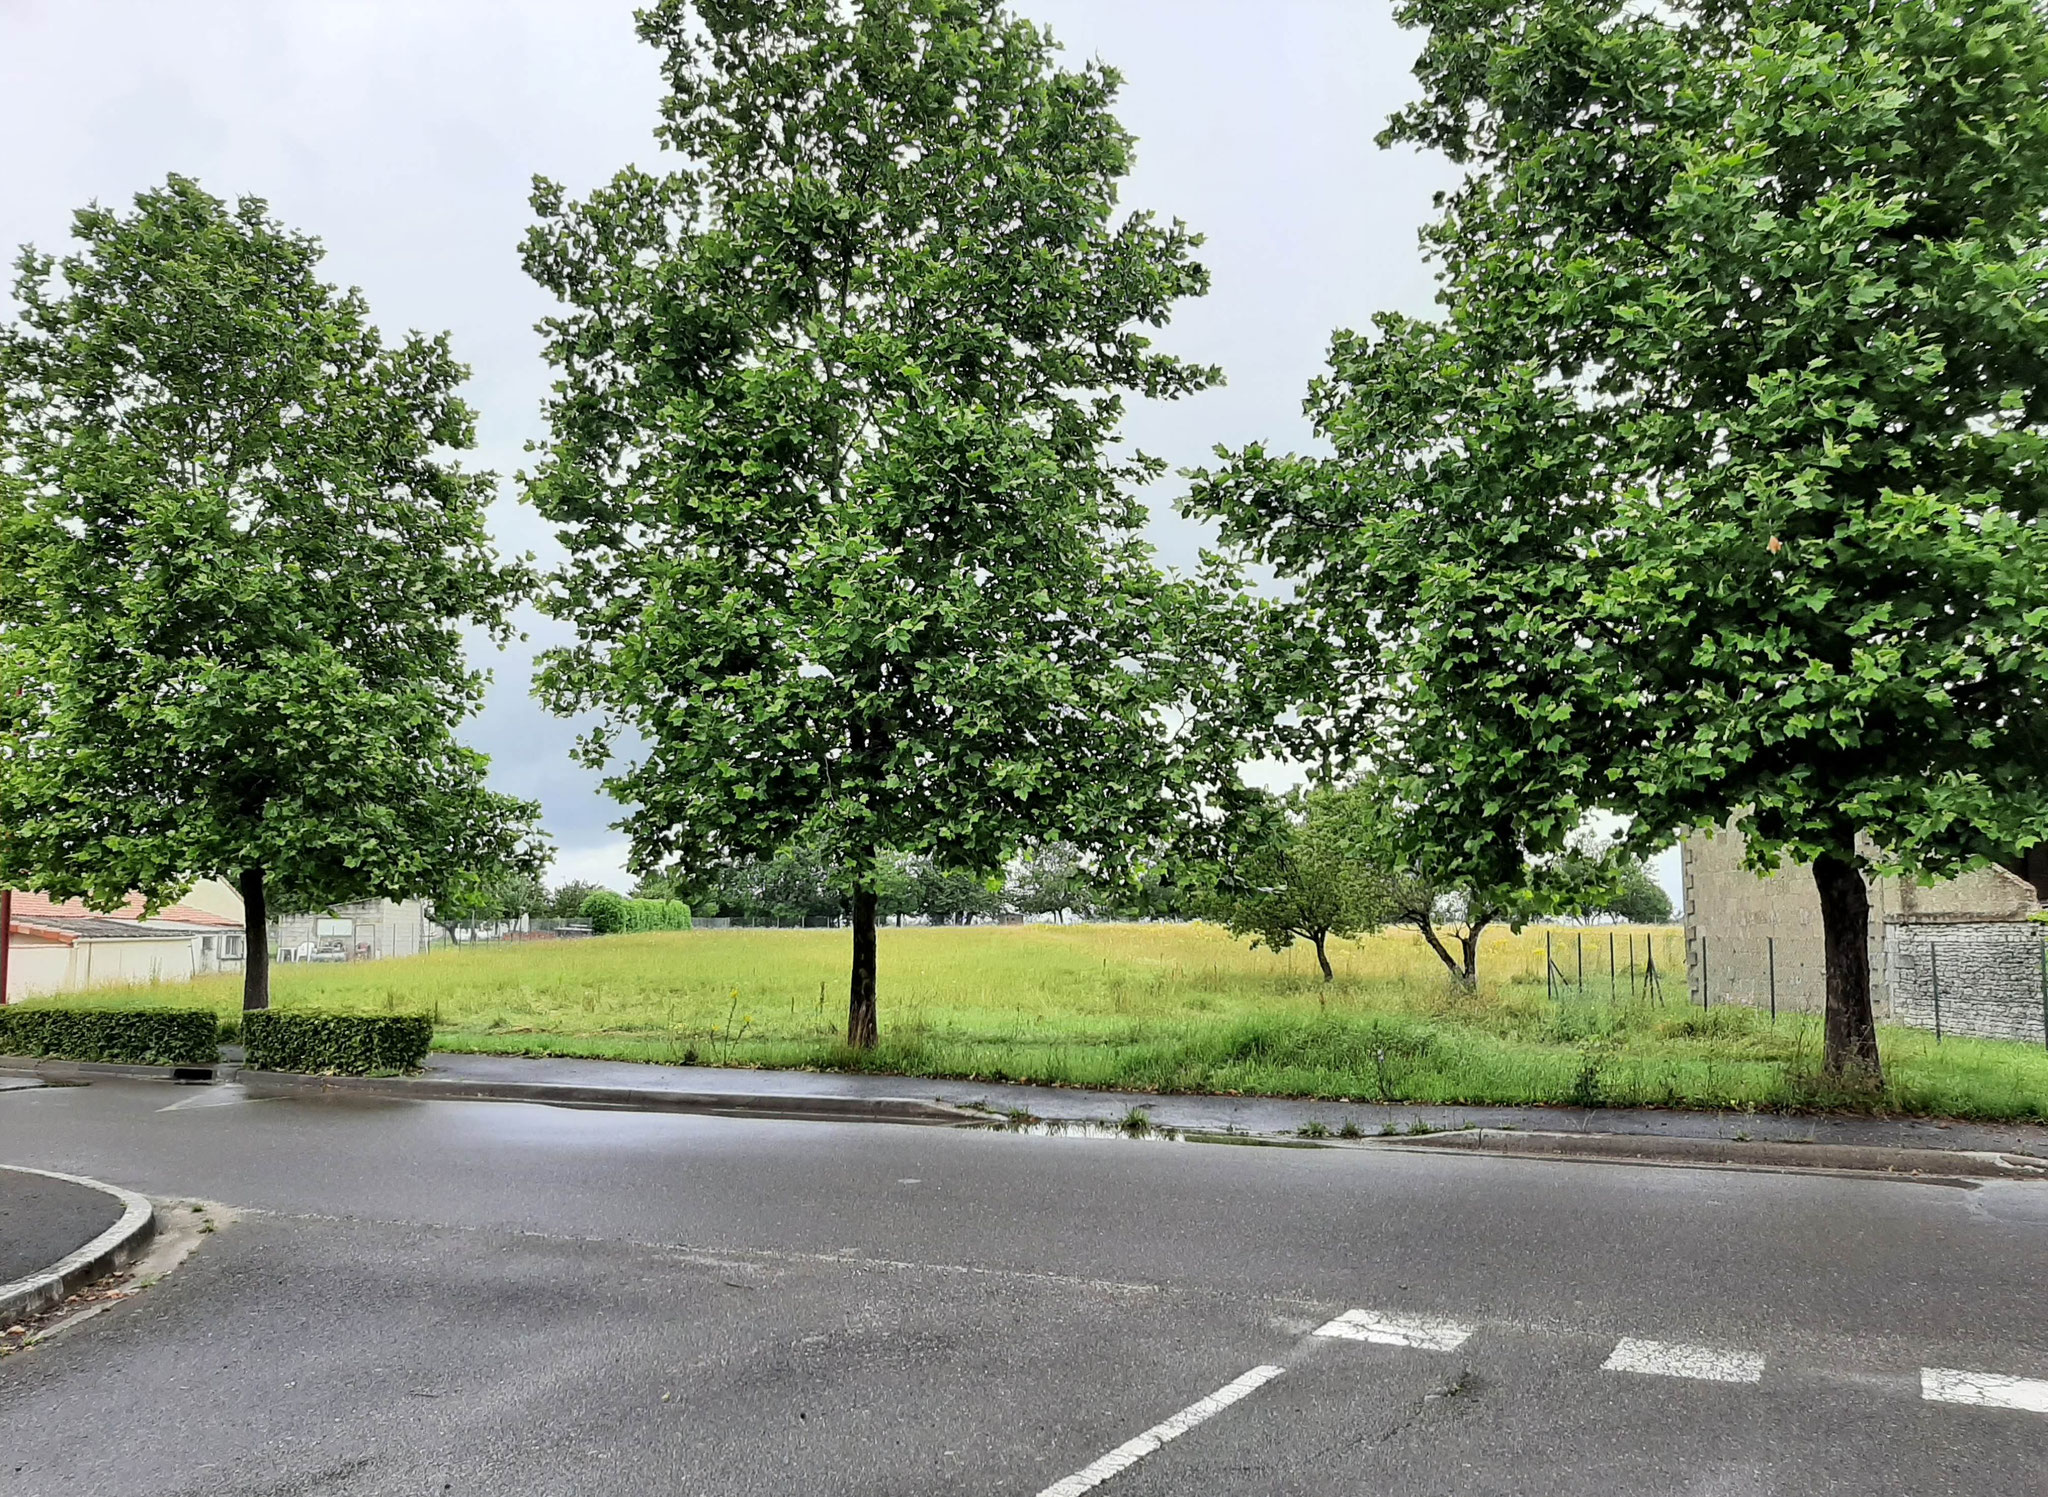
[(1736, 921), (1988, 973)]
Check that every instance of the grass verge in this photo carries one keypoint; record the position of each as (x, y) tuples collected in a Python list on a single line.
[(1159, 1008)]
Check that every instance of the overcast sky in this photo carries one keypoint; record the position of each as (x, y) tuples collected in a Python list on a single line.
[(405, 133)]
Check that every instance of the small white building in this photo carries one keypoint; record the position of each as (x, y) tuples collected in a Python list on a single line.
[(60, 946), (365, 931)]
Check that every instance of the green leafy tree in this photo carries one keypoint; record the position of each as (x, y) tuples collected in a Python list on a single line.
[(239, 569), (956, 896), (566, 900), (1716, 490), (658, 886), (851, 545), (490, 897), (1313, 876), (1053, 880), (895, 887), (1635, 898)]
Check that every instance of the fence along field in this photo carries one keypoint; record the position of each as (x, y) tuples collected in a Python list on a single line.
[(1161, 1008)]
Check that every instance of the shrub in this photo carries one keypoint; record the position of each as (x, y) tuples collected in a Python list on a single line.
[(610, 914), (335, 1044), (657, 914), (606, 913), (122, 1036)]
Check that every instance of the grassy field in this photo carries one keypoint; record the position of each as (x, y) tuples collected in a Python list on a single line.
[(1155, 1008)]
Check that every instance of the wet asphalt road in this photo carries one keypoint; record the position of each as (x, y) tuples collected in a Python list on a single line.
[(487, 1298), (42, 1220)]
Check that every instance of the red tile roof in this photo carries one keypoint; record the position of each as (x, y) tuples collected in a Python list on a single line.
[(39, 907)]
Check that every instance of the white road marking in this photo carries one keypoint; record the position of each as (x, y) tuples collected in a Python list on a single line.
[(1397, 1330), (1991, 1390), (1669, 1359), (1131, 1452)]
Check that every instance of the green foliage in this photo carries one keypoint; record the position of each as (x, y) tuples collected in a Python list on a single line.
[(336, 1044), (122, 1036), (239, 571), (1053, 880), (656, 914), (565, 902), (611, 915), (1313, 875), (1717, 488), (1635, 897), (657, 886), (851, 546), (955, 896), (500, 894), (606, 912)]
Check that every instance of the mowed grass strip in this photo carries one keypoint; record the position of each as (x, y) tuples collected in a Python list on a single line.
[(1162, 1008)]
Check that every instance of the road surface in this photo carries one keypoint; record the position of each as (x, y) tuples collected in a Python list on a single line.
[(489, 1298)]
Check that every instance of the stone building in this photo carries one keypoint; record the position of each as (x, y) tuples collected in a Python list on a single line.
[(362, 932), (1970, 942)]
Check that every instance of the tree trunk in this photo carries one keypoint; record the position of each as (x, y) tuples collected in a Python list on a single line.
[(1322, 956), (861, 1027), (255, 942), (1458, 978), (1468, 944), (1845, 936)]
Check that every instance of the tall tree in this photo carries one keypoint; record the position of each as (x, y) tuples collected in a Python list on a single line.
[(1716, 490), (240, 566), (851, 544)]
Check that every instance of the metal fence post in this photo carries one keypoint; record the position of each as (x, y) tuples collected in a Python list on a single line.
[(1934, 981), (1610, 966), (1771, 949), (1549, 970), (1579, 982), (1706, 998)]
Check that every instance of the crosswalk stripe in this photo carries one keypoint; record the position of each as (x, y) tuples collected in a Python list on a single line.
[(1674, 1359), (1397, 1330), (1991, 1390), (1134, 1450)]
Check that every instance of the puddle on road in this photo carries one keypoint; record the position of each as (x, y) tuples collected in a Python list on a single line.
[(1137, 1129)]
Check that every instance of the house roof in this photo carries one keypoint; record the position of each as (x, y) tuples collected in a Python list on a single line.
[(99, 928), (30, 906), (68, 920)]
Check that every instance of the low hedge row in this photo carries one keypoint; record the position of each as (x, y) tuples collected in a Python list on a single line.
[(120, 1036), (335, 1044)]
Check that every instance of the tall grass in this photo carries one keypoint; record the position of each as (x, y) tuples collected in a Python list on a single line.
[(1157, 1008)]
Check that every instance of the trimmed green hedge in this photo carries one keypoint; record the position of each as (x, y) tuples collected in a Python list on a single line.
[(335, 1044), (120, 1036), (609, 914), (657, 914)]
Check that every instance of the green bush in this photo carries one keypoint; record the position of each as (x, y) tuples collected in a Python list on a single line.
[(122, 1036), (609, 914), (657, 914), (606, 912), (335, 1044)]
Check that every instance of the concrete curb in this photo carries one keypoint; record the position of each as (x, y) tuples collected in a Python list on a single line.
[(1619, 1148), (818, 1109), (45, 1069), (110, 1250)]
